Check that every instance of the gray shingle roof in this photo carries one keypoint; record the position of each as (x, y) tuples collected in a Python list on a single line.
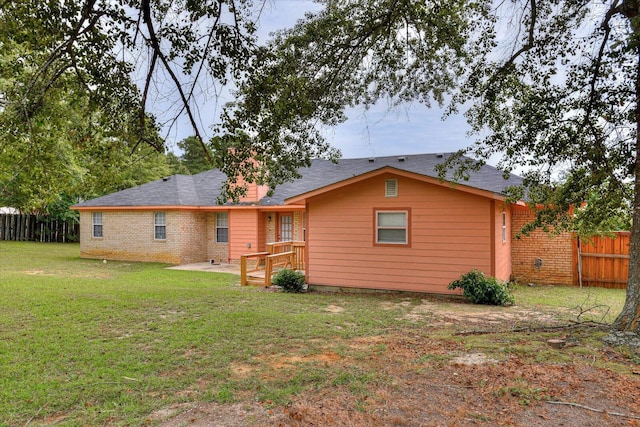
[(323, 173), (204, 188), (176, 190)]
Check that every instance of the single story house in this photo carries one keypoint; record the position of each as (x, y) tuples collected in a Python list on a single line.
[(382, 223)]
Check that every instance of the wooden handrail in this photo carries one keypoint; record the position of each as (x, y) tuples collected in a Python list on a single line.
[(279, 247), (299, 249), (279, 260), (279, 255), (259, 256)]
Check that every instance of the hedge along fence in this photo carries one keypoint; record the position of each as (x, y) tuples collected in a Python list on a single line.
[(34, 228)]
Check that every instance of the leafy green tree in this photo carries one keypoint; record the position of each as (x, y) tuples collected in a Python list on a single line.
[(79, 79), (549, 85), (194, 160), (66, 151), (176, 165)]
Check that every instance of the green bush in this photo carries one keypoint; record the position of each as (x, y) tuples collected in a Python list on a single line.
[(289, 280), (483, 290)]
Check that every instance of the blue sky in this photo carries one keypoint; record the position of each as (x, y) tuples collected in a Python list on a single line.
[(410, 129)]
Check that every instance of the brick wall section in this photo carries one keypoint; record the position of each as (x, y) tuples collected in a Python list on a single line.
[(271, 224), (216, 251), (192, 228), (129, 236), (555, 252)]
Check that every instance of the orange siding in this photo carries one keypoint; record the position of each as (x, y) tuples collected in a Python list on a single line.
[(262, 232), (243, 230), (502, 269), (255, 192), (450, 235)]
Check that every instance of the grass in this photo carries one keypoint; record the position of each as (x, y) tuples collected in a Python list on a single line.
[(100, 342), (89, 343), (597, 304)]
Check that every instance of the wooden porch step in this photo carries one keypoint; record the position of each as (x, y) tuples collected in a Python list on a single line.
[(256, 278)]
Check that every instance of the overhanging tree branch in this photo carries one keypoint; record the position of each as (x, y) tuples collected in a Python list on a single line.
[(155, 45)]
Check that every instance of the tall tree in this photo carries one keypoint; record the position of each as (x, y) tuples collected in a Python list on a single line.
[(552, 86), (104, 66), (192, 156)]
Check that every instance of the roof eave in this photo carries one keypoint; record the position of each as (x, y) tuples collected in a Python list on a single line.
[(208, 208)]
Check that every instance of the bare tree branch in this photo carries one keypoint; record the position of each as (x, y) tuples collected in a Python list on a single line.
[(525, 48), (600, 411), (155, 45)]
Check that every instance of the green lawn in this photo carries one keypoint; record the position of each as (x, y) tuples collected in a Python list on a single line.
[(90, 343)]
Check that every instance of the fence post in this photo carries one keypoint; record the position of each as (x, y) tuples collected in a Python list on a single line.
[(268, 270), (22, 220), (243, 270)]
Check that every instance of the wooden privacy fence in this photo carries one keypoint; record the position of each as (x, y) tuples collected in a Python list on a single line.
[(603, 261), (34, 228)]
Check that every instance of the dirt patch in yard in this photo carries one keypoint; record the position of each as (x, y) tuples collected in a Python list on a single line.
[(440, 379), (334, 309)]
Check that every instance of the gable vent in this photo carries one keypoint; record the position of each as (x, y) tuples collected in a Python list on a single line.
[(391, 188)]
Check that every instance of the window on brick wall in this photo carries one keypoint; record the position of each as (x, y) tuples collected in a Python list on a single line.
[(160, 225), (286, 228), (97, 224), (222, 227)]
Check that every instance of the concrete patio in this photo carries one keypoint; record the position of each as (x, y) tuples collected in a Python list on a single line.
[(212, 268)]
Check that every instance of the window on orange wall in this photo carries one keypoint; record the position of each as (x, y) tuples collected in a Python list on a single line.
[(392, 227), (160, 225), (304, 226), (504, 227), (97, 224), (222, 227)]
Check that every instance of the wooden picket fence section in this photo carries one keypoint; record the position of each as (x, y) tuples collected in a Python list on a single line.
[(34, 228), (603, 261)]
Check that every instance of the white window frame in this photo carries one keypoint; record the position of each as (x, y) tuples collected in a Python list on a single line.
[(96, 221), (222, 223), (504, 227), (406, 227), (159, 223)]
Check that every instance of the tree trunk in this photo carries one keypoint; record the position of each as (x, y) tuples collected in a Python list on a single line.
[(629, 318)]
